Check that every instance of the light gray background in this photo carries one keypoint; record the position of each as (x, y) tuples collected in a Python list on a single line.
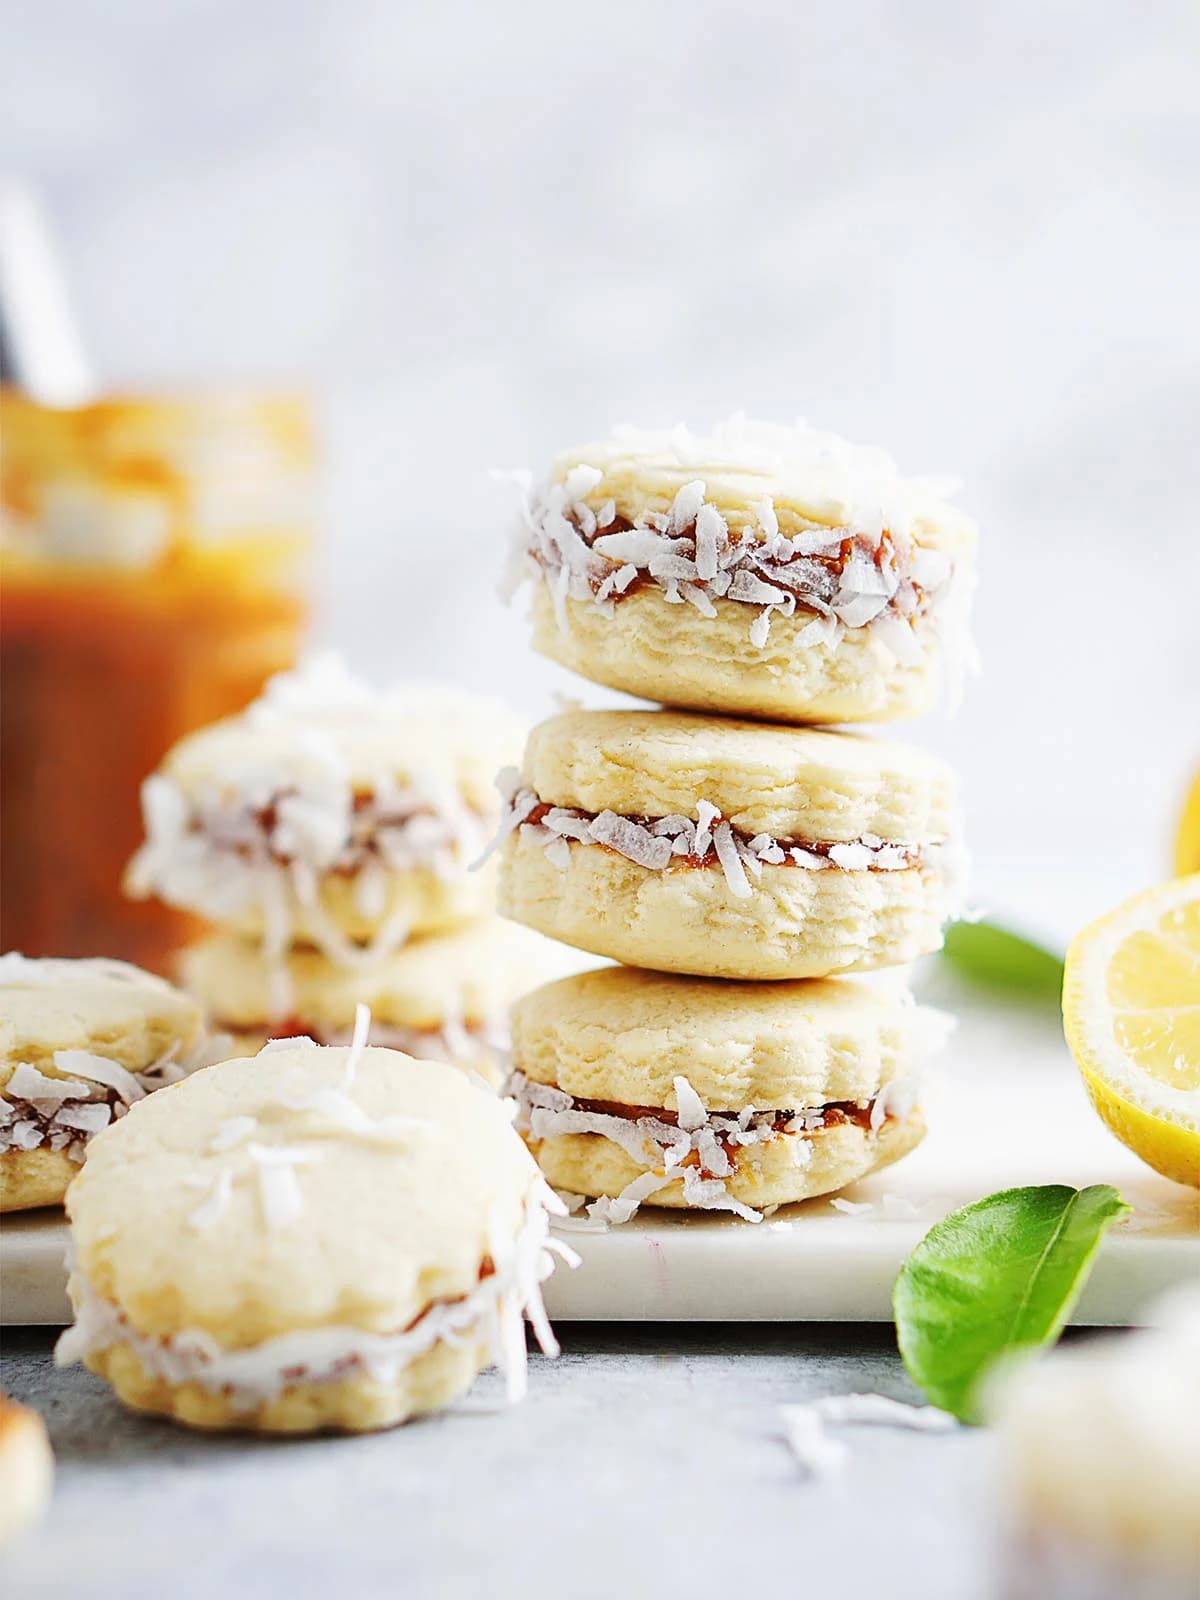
[(967, 232), (480, 232)]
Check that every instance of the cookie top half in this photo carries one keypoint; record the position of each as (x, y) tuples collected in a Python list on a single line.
[(307, 1187), (106, 1008), (797, 784), (320, 728), (623, 1035), (764, 477)]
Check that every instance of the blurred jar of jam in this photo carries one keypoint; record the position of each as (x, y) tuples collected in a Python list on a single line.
[(154, 565)]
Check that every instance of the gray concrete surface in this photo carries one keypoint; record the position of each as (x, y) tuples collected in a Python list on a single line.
[(645, 1462)]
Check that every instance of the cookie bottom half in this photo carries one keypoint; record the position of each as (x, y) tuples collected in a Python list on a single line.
[(794, 924), (356, 1404), (670, 653), (32, 1178), (771, 1174)]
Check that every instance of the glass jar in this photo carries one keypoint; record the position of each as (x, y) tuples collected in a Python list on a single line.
[(154, 566)]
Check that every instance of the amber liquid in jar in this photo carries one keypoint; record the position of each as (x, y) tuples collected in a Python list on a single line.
[(153, 575)]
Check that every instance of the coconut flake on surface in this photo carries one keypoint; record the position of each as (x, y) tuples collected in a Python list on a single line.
[(280, 1196), (335, 1108), (299, 1040), (232, 1132), (622, 1207), (818, 1454), (851, 1208), (358, 1043), (214, 1206), (881, 1410)]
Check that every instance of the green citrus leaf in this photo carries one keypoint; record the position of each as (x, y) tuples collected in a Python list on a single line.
[(986, 954), (996, 1277)]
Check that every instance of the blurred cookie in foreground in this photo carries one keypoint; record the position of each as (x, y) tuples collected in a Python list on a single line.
[(80, 1042), (1100, 1453), (26, 1467), (315, 1238), (329, 813), (643, 1089), (759, 569), (729, 849), (445, 997)]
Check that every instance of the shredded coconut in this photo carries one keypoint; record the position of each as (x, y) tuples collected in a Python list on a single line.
[(42, 1111), (883, 1411), (818, 1454), (264, 836), (697, 1151), (658, 843), (854, 572), (492, 1311)]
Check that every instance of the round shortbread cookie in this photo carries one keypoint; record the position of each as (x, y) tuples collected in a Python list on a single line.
[(625, 1035), (329, 813), (445, 997), (758, 570), (80, 1041), (315, 1237), (696, 1092), (1099, 1449), (26, 1467), (729, 849)]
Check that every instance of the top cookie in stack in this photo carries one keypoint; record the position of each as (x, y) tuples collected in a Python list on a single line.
[(766, 578), (759, 571), (327, 830)]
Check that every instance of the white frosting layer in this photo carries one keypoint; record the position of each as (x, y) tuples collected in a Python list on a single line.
[(492, 1314)]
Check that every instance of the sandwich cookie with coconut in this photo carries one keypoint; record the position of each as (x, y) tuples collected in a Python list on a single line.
[(756, 570), (80, 1043), (320, 1237), (728, 849), (641, 1088), (443, 997), (329, 814)]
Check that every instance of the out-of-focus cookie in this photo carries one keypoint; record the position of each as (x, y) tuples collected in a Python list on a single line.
[(329, 813), (1100, 1457), (314, 1238), (758, 570), (445, 997), (729, 849), (80, 1042), (26, 1467), (694, 1092)]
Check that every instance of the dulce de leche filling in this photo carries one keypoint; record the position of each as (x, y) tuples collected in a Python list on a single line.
[(842, 577), (708, 840), (699, 1148)]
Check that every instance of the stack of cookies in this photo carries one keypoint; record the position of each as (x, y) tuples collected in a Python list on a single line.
[(327, 831), (762, 573)]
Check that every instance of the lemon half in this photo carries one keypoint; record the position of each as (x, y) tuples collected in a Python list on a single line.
[(1131, 1009), (1187, 835)]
